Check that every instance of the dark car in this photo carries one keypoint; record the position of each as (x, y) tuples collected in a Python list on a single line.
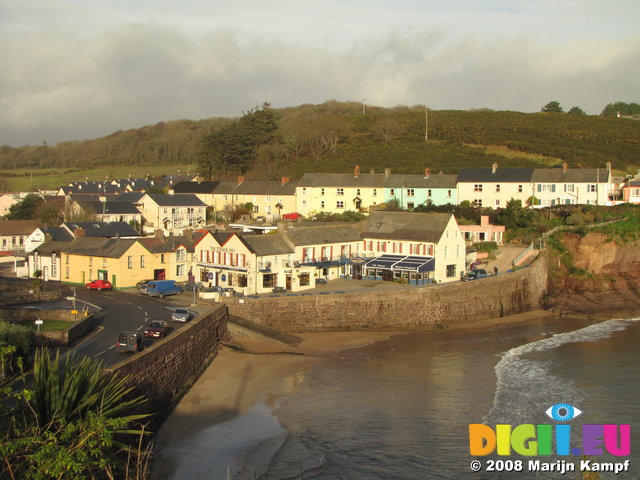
[(99, 285), (130, 342), (476, 274), (157, 329)]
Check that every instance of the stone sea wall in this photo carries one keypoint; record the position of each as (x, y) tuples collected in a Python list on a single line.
[(412, 308), (164, 372)]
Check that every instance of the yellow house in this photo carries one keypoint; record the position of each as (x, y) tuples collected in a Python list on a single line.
[(339, 192), (123, 262)]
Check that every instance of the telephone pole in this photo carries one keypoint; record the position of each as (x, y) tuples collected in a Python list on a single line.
[(426, 124)]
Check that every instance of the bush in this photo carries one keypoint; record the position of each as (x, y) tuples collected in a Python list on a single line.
[(17, 335)]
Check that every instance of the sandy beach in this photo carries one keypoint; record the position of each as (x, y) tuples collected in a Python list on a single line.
[(235, 396)]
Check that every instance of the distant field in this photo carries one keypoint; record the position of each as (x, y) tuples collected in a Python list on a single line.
[(21, 180)]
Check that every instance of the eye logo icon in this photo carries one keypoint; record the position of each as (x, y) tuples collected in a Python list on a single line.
[(562, 412)]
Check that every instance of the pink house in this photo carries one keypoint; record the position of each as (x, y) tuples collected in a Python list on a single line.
[(485, 232)]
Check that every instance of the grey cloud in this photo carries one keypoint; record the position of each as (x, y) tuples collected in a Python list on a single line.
[(64, 87)]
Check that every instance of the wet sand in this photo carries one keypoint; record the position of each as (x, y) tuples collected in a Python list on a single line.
[(235, 396)]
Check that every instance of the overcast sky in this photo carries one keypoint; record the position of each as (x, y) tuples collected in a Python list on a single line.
[(78, 69)]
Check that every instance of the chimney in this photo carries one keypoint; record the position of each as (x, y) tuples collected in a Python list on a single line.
[(284, 180), (484, 220), (427, 172), (609, 166), (356, 171), (387, 172), (240, 180), (159, 234), (79, 232), (372, 172), (564, 167), (188, 235), (494, 167)]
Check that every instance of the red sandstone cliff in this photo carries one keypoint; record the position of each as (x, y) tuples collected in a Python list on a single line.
[(611, 283)]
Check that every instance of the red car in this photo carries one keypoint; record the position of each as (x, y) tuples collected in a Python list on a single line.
[(99, 285), (157, 329)]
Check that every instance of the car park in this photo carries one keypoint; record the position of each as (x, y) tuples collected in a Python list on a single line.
[(130, 342), (157, 329), (182, 315), (99, 285)]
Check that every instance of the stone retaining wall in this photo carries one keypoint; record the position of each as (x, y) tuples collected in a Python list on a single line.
[(164, 372), (411, 308)]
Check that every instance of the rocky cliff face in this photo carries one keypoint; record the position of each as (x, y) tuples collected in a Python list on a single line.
[(611, 283)]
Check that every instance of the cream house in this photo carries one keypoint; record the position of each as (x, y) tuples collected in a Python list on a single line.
[(494, 187), (172, 212), (416, 248), (571, 186)]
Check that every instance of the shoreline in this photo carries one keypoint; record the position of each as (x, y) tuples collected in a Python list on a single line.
[(236, 396)]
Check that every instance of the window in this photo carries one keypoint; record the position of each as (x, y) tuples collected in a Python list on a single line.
[(339, 191), (429, 193), (141, 261), (322, 191), (497, 187), (304, 190), (592, 188), (162, 256), (91, 261), (449, 193), (339, 204), (375, 192), (129, 261), (497, 203), (410, 192), (54, 270), (67, 262), (477, 187), (304, 204), (410, 205), (53, 258), (267, 198), (322, 204), (446, 251), (477, 202), (66, 272), (568, 187), (255, 209), (392, 192), (180, 270), (519, 188), (104, 262), (358, 192), (451, 271)]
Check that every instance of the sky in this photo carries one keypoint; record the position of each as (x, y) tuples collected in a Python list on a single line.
[(80, 69)]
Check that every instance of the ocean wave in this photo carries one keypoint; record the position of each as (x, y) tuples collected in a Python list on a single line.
[(524, 386)]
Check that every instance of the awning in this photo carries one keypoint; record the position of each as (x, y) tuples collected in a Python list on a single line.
[(403, 263)]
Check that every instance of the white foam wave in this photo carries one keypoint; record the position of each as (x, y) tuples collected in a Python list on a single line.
[(525, 385)]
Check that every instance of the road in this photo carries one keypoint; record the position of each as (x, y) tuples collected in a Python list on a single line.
[(123, 312)]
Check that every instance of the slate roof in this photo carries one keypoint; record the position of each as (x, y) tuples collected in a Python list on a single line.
[(114, 208), (103, 229), (319, 235), (130, 197), (501, 175), (18, 227), (90, 188), (59, 234), (266, 188), (195, 187), (423, 227), (438, 180), (341, 180), (90, 246), (571, 175), (178, 200), (267, 244)]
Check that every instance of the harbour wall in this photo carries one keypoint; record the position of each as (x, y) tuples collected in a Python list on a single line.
[(438, 305), (164, 372)]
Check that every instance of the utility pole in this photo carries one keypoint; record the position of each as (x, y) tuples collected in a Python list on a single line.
[(426, 124), (364, 106)]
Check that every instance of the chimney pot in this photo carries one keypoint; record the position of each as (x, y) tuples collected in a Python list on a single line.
[(240, 180), (285, 180), (356, 171), (427, 172), (387, 172), (494, 167), (564, 167)]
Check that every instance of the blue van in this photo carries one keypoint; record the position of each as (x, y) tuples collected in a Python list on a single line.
[(160, 288)]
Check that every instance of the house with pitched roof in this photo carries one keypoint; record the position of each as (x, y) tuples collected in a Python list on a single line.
[(494, 187), (172, 212), (572, 186), (110, 211), (14, 234), (411, 191), (416, 248)]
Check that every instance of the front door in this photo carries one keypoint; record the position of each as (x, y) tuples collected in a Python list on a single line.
[(288, 282)]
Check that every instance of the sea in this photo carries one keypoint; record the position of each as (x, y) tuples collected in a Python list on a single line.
[(401, 408)]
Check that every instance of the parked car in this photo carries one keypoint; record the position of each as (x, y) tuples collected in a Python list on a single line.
[(161, 288), (130, 342), (142, 285), (476, 274), (182, 315), (99, 285), (157, 329)]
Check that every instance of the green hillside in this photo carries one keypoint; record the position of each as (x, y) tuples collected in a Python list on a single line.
[(335, 136)]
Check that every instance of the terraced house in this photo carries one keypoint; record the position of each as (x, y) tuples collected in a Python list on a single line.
[(172, 212)]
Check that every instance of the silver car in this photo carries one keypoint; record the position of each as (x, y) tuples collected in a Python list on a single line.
[(182, 315)]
